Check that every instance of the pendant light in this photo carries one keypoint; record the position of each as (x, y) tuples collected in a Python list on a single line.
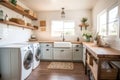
[(63, 13)]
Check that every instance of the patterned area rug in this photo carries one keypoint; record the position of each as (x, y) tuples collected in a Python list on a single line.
[(61, 65)]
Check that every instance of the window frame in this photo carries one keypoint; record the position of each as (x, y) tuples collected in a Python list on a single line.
[(110, 8), (63, 31), (98, 21), (107, 23)]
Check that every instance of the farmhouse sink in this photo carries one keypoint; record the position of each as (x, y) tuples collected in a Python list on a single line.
[(62, 44)]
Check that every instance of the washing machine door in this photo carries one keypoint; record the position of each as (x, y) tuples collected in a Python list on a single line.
[(28, 59), (37, 54)]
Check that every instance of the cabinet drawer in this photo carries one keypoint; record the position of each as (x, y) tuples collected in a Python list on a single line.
[(47, 53), (76, 45), (77, 50), (47, 45), (62, 54), (77, 54), (62, 50)]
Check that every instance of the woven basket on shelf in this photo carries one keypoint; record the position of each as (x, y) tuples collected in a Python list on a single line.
[(18, 21)]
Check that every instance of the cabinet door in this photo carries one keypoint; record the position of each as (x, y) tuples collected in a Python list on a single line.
[(66, 54), (57, 54), (77, 54), (84, 54), (62, 54), (46, 53), (46, 45)]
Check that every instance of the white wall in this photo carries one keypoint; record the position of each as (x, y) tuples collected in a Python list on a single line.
[(12, 34), (100, 6), (75, 15)]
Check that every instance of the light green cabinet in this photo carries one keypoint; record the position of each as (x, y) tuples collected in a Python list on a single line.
[(77, 51), (62, 54), (46, 51)]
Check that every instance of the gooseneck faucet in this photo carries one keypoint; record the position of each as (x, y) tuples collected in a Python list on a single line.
[(63, 38)]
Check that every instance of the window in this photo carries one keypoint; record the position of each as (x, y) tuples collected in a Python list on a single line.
[(102, 23), (59, 28), (108, 22), (113, 21)]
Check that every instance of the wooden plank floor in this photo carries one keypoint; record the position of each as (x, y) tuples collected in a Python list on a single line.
[(43, 73)]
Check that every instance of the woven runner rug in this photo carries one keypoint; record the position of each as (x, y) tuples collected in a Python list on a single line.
[(61, 65)]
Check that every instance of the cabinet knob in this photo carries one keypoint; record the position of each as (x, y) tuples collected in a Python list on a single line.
[(47, 45), (77, 45), (62, 50), (47, 49), (77, 50)]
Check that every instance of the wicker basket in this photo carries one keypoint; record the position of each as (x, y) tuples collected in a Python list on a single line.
[(19, 7), (18, 21), (29, 12), (109, 74)]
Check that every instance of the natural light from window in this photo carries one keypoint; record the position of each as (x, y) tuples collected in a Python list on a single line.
[(58, 28), (113, 21), (108, 22), (102, 23)]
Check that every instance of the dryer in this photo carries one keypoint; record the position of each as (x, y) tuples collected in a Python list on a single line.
[(36, 52), (36, 55), (16, 62)]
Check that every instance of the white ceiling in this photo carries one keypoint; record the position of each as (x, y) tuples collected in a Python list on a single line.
[(48, 5)]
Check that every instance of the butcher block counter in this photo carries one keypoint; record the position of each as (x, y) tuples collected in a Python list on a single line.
[(96, 60), (73, 42)]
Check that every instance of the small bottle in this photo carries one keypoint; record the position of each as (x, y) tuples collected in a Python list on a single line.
[(6, 17), (1, 15), (78, 39)]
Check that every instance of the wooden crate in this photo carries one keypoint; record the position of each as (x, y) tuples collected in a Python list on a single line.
[(109, 74)]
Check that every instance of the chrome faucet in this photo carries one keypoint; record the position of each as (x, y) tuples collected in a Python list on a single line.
[(62, 35)]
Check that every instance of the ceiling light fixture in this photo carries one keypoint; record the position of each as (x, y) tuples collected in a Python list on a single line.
[(63, 13)]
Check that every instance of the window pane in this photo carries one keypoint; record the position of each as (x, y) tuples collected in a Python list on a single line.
[(113, 21), (69, 32), (103, 29), (57, 25), (113, 28), (59, 28), (113, 14), (102, 23), (69, 24)]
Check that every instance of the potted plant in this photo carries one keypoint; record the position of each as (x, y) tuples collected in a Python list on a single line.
[(84, 20), (87, 36), (83, 23), (14, 2)]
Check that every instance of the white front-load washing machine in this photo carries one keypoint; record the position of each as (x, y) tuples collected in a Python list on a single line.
[(36, 52), (36, 55), (16, 62)]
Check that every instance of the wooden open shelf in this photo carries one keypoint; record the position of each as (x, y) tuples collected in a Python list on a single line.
[(18, 25), (14, 8)]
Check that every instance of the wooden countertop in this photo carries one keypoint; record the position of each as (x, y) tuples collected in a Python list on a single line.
[(73, 42), (101, 51)]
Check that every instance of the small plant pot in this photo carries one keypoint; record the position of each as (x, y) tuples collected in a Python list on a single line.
[(87, 39)]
